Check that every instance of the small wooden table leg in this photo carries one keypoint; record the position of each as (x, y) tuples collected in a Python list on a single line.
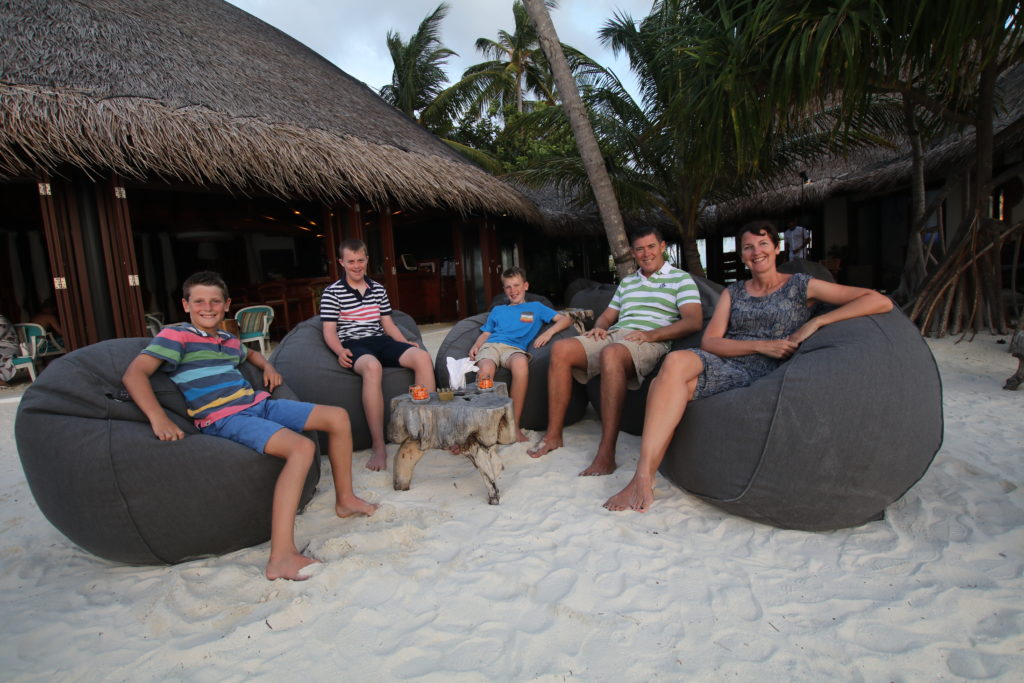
[(488, 463), (409, 453)]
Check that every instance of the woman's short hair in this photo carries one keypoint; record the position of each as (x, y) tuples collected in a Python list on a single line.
[(759, 228)]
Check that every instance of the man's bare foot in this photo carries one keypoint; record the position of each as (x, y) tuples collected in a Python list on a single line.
[(544, 446), (289, 567), (378, 462), (520, 437), (603, 464), (354, 505), (638, 495)]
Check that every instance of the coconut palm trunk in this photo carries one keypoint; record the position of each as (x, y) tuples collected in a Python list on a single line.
[(586, 141)]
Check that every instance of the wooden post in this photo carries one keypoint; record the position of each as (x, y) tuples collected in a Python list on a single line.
[(387, 245)]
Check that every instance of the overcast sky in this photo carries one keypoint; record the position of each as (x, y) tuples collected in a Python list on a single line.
[(352, 33)]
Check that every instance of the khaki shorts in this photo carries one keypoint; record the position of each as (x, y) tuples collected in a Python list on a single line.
[(499, 354), (645, 356)]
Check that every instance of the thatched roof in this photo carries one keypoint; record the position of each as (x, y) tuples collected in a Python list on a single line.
[(878, 170), (566, 218), (201, 91)]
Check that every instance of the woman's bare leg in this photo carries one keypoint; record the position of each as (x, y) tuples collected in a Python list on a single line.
[(670, 392)]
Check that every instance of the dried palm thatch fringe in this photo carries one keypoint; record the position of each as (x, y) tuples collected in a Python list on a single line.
[(205, 92), (963, 294), (42, 128)]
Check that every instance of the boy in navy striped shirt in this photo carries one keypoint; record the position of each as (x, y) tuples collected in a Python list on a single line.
[(202, 361), (356, 316)]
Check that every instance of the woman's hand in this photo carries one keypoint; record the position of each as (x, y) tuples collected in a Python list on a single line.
[(800, 335), (778, 348)]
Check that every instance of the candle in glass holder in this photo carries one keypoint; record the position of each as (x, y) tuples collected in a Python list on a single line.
[(445, 393), (485, 384), (419, 392)]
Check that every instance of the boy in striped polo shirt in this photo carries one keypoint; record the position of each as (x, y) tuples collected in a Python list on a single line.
[(650, 308), (202, 361), (357, 327)]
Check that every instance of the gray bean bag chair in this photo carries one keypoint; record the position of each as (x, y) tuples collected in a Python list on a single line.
[(101, 477), (828, 440), (812, 268), (636, 399), (311, 370), (535, 407)]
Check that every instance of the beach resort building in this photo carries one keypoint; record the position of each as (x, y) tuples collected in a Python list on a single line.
[(143, 140)]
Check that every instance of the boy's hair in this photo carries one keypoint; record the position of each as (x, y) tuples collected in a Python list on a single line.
[(644, 231), (759, 228), (514, 271), (353, 245), (207, 278)]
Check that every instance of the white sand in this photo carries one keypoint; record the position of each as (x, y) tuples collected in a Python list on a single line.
[(548, 585)]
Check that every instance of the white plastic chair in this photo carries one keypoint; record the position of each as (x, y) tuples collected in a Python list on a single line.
[(254, 325)]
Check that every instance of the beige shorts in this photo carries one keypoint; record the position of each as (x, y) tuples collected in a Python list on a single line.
[(499, 354), (645, 356)]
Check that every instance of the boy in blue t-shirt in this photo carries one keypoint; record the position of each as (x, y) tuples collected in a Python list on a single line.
[(507, 334), (202, 360)]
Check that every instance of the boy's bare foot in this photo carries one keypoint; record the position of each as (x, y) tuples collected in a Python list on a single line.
[(603, 464), (378, 462), (544, 446), (289, 567), (355, 506), (520, 437), (638, 495)]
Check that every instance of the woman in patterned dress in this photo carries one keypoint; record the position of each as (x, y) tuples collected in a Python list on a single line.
[(756, 326)]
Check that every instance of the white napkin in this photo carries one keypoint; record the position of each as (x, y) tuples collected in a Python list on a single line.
[(457, 369)]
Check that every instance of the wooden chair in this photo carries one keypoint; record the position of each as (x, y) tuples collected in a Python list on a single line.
[(254, 325), (275, 295)]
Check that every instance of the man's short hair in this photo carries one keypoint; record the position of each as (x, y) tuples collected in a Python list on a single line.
[(206, 278), (514, 271), (353, 245), (644, 231)]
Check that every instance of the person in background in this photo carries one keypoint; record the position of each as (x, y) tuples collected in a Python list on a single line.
[(798, 240), (8, 351)]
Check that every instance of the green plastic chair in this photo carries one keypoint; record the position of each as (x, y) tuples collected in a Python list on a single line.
[(254, 325)]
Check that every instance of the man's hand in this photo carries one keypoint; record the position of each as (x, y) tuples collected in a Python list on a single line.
[(271, 377), (166, 430), (640, 336), (596, 333), (345, 358)]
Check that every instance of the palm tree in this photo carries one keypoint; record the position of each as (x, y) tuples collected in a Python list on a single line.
[(419, 75), (590, 152), (661, 154), (940, 58), (515, 71)]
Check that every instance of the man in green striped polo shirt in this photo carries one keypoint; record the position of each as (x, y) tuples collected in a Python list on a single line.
[(650, 308)]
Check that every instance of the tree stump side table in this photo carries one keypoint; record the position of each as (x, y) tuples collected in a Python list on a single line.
[(475, 422)]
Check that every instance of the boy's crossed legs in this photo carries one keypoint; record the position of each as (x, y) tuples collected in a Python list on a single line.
[(519, 365)]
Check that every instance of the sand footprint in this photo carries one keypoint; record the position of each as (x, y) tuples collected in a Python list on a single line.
[(555, 586)]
